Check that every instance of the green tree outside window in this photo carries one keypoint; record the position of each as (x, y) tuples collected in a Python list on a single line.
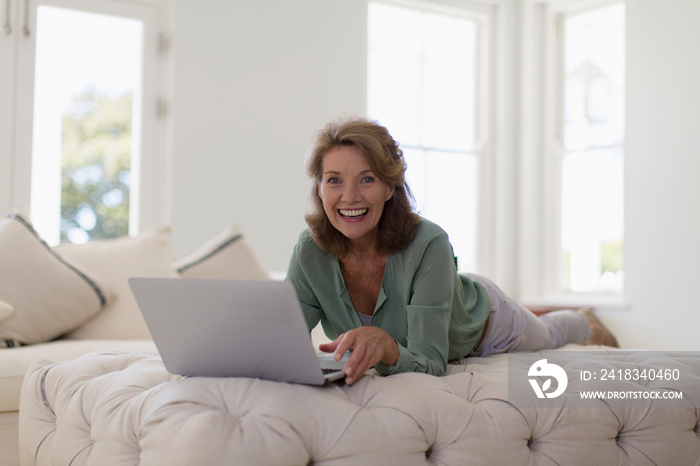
[(96, 168)]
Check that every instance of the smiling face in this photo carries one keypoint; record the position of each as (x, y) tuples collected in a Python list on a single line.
[(353, 197)]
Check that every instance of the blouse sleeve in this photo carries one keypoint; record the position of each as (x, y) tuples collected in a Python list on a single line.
[(307, 298), (428, 313)]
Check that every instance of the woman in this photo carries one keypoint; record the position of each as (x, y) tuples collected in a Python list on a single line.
[(382, 280)]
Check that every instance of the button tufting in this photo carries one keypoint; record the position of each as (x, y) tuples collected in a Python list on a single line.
[(182, 421)]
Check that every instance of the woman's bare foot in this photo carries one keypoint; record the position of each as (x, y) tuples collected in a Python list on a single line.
[(600, 335)]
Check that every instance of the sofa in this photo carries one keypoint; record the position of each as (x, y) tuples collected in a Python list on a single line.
[(124, 408), (92, 389), (59, 303)]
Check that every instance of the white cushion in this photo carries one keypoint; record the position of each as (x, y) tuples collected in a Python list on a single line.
[(50, 295), (5, 310), (117, 260), (228, 255)]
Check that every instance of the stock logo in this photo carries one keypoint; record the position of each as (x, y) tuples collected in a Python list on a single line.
[(542, 369)]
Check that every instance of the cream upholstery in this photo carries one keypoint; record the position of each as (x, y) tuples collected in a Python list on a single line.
[(15, 361), (116, 260), (6, 310), (46, 288), (120, 325), (9, 428), (126, 409)]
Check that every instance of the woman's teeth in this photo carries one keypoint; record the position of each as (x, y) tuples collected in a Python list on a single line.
[(352, 212)]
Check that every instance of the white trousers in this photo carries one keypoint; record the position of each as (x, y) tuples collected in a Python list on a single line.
[(512, 327)]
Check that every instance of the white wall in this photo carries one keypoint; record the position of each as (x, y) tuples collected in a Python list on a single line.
[(253, 80), (662, 228)]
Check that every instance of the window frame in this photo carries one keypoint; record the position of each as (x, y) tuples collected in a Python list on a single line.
[(550, 15), (150, 189), (486, 15)]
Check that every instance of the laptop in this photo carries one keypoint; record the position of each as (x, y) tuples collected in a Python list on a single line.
[(232, 328)]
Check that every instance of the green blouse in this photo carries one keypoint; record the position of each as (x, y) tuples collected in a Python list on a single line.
[(434, 313)]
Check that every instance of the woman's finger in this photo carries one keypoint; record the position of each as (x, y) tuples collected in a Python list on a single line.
[(330, 346), (366, 352), (368, 345), (346, 342), (367, 358)]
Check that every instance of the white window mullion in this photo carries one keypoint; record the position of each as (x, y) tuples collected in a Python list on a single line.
[(146, 172), (499, 233), (553, 136)]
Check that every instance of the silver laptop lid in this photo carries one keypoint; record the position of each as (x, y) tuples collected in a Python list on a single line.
[(228, 328)]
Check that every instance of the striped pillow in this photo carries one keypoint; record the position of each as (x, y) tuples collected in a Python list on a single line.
[(50, 295), (228, 255)]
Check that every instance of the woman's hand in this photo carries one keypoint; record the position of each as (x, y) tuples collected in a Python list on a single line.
[(369, 345)]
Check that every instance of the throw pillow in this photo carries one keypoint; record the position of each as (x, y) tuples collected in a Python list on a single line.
[(116, 260), (50, 295), (228, 255)]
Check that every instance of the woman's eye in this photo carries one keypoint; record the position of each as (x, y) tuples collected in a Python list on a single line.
[(368, 179), (333, 180)]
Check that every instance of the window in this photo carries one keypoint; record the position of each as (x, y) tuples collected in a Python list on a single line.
[(591, 152), (425, 66), (85, 117)]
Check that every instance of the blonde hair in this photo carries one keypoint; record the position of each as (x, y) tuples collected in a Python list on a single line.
[(398, 223)]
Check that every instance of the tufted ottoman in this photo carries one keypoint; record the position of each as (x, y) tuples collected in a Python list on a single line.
[(125, 409)]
